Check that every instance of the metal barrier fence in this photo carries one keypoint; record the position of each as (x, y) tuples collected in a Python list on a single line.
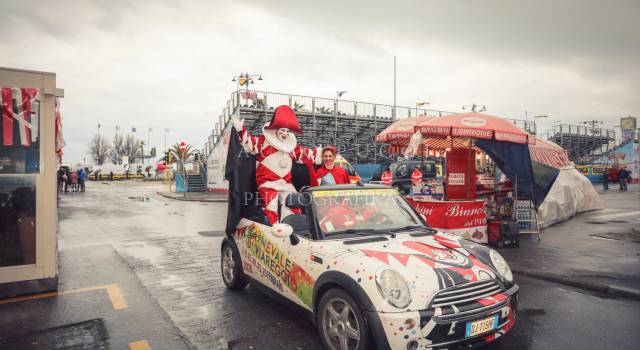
[(583, 131), (527, 125), (583, 143), (351, 125), (253, 100)]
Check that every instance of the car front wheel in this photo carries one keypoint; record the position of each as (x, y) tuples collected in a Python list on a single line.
[(341, 323), (231, 267)]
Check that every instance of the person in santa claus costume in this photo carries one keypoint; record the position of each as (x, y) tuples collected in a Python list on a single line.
[(276, 150)]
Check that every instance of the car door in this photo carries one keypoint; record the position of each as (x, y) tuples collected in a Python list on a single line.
[(271, 258)]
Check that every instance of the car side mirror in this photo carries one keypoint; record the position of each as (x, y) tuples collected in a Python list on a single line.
[(294, 239), (297, 200), (281, 230)]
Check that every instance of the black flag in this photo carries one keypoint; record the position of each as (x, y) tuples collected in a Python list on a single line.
[(240, 171)]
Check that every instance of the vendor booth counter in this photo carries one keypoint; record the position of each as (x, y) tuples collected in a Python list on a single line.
[(477, 149), (462, 218)]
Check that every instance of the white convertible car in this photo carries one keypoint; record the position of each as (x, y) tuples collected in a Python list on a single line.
[(364, 267)]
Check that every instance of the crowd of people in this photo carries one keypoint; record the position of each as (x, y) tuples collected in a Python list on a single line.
[(71, 180), (623, 175)]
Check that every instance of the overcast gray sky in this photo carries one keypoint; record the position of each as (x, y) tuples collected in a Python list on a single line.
[(169, 64)]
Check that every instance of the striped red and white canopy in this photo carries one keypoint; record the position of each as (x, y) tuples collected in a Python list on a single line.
[(431, 145), (474, 125), (542, 151), (549, 153), (401, 129)]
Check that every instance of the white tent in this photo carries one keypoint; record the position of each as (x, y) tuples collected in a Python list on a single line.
[(571, 193)]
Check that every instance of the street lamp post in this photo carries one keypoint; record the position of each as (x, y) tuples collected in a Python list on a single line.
[(535, 125), (474, 107), (420, 104), (165, 139), (243, 79), (335, 115), (149, 130)]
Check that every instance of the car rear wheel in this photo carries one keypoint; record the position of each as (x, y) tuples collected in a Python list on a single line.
[(231, 267), (341, 323)]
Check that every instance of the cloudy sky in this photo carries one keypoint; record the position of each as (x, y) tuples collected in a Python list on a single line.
[(169, 64)]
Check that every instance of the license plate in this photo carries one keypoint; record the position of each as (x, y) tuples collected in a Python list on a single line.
[(481, 326)]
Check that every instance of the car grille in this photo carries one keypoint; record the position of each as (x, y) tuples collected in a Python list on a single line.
[(469, 292)]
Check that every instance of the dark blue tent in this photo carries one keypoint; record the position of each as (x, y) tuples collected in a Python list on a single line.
[(533, 179)]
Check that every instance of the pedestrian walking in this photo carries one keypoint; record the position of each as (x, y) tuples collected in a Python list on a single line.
[(67, 180), (82, 177), (605, 179), (74, 181), (623, 177), (60, 178)]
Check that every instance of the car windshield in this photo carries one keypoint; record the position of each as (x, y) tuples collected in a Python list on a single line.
[(348, 168), (363, 211)]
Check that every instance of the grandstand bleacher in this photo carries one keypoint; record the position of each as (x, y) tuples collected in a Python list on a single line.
[(350, 125), (583, 143)]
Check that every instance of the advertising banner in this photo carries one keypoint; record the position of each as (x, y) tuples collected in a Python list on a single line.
[(466, 219), (628, 127), (216, 162)]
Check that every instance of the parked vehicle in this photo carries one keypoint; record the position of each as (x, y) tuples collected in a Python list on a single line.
[(364, 267), (402, 170)]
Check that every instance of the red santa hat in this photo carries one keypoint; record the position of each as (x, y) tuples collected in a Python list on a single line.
[(284, 117)]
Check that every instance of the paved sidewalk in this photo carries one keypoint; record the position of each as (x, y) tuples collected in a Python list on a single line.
[(598, 250), (195, 196), (100, 304)]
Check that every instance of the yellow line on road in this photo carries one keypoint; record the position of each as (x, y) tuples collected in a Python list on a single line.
[(139, 345), (115, 295), (113, 291)]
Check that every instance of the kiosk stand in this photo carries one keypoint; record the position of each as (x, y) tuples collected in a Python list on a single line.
[(28, 164)]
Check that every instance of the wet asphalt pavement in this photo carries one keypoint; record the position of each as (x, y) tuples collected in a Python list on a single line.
[(164, 256), (597, 247)]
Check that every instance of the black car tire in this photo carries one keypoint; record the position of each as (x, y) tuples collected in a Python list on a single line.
[(334, 325), (231, 267)]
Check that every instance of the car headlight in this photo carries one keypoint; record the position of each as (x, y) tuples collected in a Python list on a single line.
[(393, 288), (501, 265)]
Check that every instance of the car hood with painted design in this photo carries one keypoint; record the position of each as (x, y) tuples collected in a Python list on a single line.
[(427, 264)]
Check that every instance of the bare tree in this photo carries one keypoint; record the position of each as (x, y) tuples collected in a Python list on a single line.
[(117, 149), (99, 149), (131, 148)]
